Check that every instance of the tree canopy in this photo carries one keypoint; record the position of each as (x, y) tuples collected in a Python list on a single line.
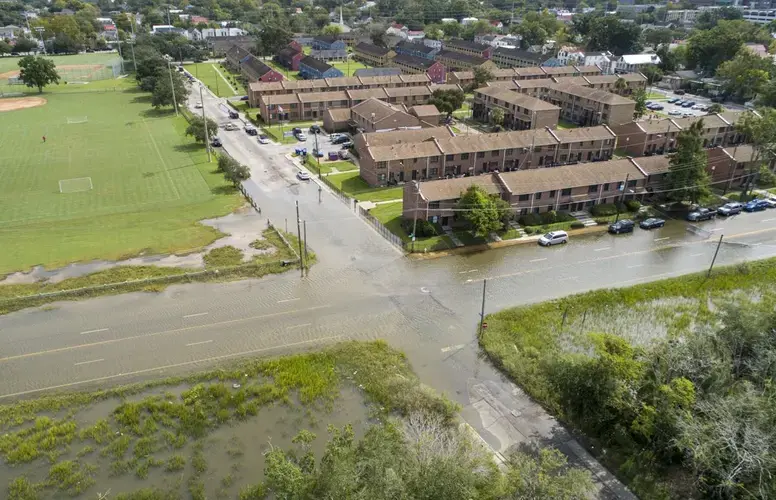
[(38, 72), (485, 213), (687, 175), (447, 101), (163, 94)]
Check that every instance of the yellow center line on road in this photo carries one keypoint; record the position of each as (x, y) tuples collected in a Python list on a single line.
[(156, 334), (167, 367)]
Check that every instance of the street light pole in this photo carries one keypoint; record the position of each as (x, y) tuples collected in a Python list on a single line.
[(204, 123), (317, 158), (172, 87), (482, 310), (719, 243), (617, 203)]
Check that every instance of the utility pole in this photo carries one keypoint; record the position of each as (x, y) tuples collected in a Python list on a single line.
[(415, 216), (216, 79), (617, 204), (204, 122), (172, 88), (319, 193), (482, 310), (306, 262), (719, 243), (318, 159), (299, 237), (132, 45)]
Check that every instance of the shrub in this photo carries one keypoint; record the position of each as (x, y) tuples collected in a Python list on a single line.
[(766, 177), (530, 220), (602, 220), (550, 217), (603, 209), (632, 205), (529, 230), (423, 228), (223, 256), (577, 225)]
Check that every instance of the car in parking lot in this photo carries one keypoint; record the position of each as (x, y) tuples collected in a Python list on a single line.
[(244, 98), (263, 139), (554, 238), (673, 100), (701, 214), (731, 208), (342, 139), (303, 176), (301, 137), (755, 206), (621, 226), (675, 112), (689, 104), (315, 129), (652, 223), (198, 105), (679, 92)]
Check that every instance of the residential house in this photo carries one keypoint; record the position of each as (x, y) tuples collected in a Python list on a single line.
[(290, 56), (732, 167), (377, 72), (437, 201), (311, 68), (255, 70), (10, 32), (471, 48), (408, 96), (457, 61), (633, 83), (434, 44), (373, 55), (364, 141), (633, 63), (416, 50), (516, 58), (303, 40), (109, 32), (157, 29), (520, 111), (586, 106), (221, 44), (420, 65), (373, 115), (323, 42), (428, 114), (329, 55), (465, 78)]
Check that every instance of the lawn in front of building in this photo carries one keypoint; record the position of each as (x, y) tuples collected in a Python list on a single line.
[(390, 214), (565, 125), (354, 186), (208, 73)]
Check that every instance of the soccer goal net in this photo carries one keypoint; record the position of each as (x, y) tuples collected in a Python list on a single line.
[(76, 119), (75, 185)]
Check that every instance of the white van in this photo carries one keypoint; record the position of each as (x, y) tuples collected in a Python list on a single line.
[(554, 238)]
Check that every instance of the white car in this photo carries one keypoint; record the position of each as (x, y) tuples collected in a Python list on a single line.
[(230, 126), (263, 139), (769, 202), (198, 105), (303, 176), (675, 112), (554, 238), (301, 137)]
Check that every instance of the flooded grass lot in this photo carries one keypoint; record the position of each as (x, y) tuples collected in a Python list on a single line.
[(200, 436)]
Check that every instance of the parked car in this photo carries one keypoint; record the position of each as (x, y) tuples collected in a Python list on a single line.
[(315, 129), (652, 223), (216, 142), (657, 107), (198, 105), (769, 202), (303, 176), (341, 139), (673, 100), (688, 104), (233, 114), (679, 92), (701, 214), (621, 226), (732, 208), (343, 154), (263, 139), (674, 112), (296, 130), (244, 98), (755, 206), (230, 126), (554, 238), (250, 130), (317, 154), (346, 145), (301, 137)]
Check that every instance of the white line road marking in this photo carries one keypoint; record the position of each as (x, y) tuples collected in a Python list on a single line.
[(469, 271), (635, 266), (199, 343), (538, 260), (89, 362), (95, 331), (453, 347), (696, 255), (567, 278), (195, 315), (298, 326), (287, 300), (663, 239), (601, 249), (767, 220), (167, 367), (717, 229)]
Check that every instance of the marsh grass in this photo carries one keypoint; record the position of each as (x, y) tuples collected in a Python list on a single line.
[(142, 426)]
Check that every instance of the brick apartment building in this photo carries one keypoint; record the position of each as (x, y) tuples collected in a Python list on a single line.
[(516, 58), (521, 111), (373, 55), (437, 158), (412, 65), (250, 66), (290, 55), (415, 50), (586, 106), (659, 136), (457, 61), (371, 115), (220, 45), (311, 68), (470, 48)]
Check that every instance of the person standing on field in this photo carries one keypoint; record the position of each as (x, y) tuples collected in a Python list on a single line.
[(44, 138)]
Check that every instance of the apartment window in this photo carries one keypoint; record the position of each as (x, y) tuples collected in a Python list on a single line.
[(592, 188), (538, 149), (552, 194), (631, 184), (464, 156), (494, 153), (522, 197), (449, 157), (481, 154), (434, 171), (414, 160), (606, 187), (433, 205), (562, 158), (510, 151), (434, 159), (566, 192), (382, 164), (538, 196)]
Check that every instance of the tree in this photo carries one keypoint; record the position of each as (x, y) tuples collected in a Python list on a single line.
[(658, 36), (332, 29), (233, 171), (766, 178), (708, 19), (38, 72), (707, 49), (687, 175), (24, 44), (497, 116), (640, 96), (481, 76), (163, 90), (715, 108), (447, 101), (652, 73), (196, 129), (5, 47), (609, 33), (546, 476), (377, 35), (620, 86), (485, 213), (760, 131), (669, 60), (746, 74), (149, 62)]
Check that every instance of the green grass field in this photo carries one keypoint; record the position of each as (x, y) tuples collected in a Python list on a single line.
[(354, 186), (150, 184), (208, 74), (347, 68), (12, 63)]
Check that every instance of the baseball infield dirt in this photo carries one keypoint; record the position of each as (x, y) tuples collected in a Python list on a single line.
[(14, 103)]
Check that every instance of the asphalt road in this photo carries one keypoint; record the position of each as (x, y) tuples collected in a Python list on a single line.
[(361, 289)]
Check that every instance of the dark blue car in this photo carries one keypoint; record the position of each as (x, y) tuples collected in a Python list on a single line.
[(755, 206)]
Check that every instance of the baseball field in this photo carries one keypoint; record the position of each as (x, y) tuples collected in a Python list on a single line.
[(112, 179)]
